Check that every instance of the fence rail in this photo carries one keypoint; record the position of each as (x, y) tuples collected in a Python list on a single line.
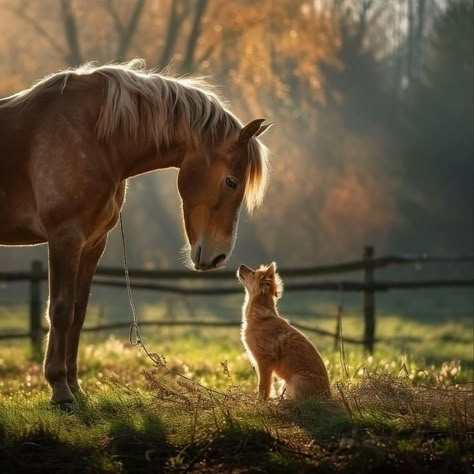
[(147, 280), (345, 267)]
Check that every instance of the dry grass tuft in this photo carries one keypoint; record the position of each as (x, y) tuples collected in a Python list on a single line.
[(373, 398), (412, 406), (171, 387)]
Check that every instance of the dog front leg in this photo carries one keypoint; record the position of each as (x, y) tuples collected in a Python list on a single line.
[(264, 380)]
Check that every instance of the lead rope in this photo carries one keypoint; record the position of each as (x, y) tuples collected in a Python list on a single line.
[(134, 335), (134, 339)]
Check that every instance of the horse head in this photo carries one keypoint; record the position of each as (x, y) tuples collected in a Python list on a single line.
[(212, 187)]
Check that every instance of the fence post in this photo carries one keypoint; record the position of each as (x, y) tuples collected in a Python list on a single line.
[(369, 301), (35, 306)]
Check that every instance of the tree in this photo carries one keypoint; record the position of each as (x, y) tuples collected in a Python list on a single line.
[(438, 130)]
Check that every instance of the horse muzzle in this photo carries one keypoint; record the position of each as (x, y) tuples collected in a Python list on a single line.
[(206, 258)]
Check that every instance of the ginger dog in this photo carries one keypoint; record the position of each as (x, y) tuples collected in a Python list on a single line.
[(273, 344)]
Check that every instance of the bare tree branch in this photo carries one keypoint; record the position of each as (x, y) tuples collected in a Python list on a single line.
[(419, 34), (38, 28), (110, 8), (376, 15), (410, 38), (129, 31), (188, 62), (364, 8), (176, 17), (209, 50), (229, 37)]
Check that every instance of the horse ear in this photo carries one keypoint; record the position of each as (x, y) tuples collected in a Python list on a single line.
[(250, 130), (263, 128)]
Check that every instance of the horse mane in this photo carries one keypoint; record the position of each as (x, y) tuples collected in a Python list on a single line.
[(170, 107)]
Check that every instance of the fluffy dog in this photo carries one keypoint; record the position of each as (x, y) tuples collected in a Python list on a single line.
[(273, 345)]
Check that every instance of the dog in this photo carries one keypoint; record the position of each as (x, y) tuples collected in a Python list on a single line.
[(273, 345)]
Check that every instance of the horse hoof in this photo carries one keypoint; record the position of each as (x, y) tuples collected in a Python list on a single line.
[(79, 394)]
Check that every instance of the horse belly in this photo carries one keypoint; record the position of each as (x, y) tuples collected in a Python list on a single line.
[(20, 237), (19, 223)]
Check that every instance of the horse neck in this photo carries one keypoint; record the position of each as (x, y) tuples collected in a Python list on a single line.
[(135, 158)]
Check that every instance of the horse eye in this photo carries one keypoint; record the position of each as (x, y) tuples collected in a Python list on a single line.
[(231, 182)]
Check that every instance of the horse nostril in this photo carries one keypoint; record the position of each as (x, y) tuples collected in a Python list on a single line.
[(219, 259), (198, 258)]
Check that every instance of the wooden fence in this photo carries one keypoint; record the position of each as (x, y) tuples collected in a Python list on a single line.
[(151, 280)]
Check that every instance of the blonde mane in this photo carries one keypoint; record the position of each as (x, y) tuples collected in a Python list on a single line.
[(145, 104)]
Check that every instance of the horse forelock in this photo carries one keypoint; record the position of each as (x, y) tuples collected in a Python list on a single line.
[(144, 104), (258, 174)]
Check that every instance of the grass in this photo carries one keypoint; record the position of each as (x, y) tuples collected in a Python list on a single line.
[(392, 411)]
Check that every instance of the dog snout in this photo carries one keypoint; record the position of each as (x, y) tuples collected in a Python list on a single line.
[(243, 271)]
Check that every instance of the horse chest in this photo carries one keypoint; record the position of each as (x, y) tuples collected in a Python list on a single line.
[(107, 214)]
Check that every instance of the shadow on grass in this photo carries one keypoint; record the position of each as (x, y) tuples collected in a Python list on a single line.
[(141, 448), (129, 446), (373, 441), (239, 448), (321, 419), (40, 451)]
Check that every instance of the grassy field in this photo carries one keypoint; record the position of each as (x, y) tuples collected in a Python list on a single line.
[(404, 409)]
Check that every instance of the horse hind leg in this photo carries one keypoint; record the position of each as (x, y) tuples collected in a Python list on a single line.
[(87, 266), (64, 256)]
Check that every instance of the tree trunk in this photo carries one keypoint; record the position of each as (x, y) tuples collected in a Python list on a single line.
[(74, 57), (188, 63), (174, 25), (419, 35), (127, 35), (410, 39)]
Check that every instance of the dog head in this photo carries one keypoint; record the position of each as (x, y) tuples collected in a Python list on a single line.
[(264, 281)]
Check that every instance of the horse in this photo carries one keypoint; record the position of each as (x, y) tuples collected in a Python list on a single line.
[(69, 143)]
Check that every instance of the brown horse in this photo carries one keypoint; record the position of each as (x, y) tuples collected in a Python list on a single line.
[(67, 147)]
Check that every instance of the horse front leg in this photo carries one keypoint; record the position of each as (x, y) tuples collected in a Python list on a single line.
[(88, 263), (64, 256)]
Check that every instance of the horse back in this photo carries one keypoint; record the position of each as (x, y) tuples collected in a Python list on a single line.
[(21, 123)]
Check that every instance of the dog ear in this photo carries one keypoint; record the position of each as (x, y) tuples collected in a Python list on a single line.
[(270, 271), (271, 281)]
